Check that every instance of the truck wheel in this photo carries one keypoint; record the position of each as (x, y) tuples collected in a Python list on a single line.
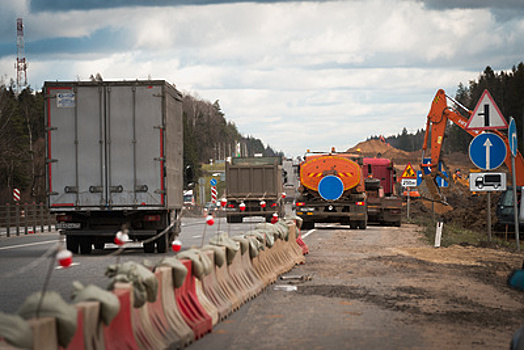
[(308, 225), (72, 244), (362, 225), (99, 245), (149, 247), (86, 246), (234, 219), (161, 244)]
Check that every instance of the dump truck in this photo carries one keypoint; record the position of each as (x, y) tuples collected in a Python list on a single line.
[(254, 188), (384, 205), (332, 190), (114, 161)]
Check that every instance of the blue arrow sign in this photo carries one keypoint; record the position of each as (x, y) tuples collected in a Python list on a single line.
[(487, 151), (512, 136), (213, 182), (419, 177)]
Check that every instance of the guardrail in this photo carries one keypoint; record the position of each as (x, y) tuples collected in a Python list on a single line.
[(25, 218)]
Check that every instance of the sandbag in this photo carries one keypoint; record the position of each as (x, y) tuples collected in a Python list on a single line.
[(145, 284), (269, 235), (52, 306), (201, 265), (232, 247), (244, 243), (260, 237), (109, 303), (282, 227), (297, 220), (254, 246), (16, 331), (219, 253), (179, 270)]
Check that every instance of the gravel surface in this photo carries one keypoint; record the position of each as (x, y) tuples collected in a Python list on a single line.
[(382, 288)]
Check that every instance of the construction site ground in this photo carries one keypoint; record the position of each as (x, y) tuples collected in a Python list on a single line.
[(381, 288)]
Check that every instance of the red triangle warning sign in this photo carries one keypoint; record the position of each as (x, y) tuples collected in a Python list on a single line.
[(486, 115), (409, 172)]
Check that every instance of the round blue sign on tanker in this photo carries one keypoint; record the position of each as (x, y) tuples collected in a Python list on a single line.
[(330, 188)]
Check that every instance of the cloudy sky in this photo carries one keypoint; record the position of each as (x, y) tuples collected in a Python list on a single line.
[(296, 74)]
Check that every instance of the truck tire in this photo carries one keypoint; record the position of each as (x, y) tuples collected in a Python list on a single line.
[(149, 247), (99, 245), (362, 225), (86, 246), (234, 219), (72, 244), (161, 244), (308, 225)]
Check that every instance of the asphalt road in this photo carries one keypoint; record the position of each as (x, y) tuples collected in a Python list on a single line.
[(25, 260)]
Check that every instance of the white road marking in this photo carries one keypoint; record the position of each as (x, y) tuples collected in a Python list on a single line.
[(27, 245), (308, 233)]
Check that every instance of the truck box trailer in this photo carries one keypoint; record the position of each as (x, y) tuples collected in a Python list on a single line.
[(254, 188), (114, 161)]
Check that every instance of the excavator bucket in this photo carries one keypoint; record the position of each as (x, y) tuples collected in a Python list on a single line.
[(429, 189)]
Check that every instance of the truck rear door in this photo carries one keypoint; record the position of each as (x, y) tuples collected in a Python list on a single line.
[(104, 145)]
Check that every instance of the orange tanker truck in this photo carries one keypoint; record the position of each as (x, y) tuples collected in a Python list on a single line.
[(332, 190)]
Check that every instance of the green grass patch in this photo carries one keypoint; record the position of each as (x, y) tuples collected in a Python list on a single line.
[(455, 234)]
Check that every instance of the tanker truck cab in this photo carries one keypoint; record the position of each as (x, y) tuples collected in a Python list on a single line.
[(332, 190)]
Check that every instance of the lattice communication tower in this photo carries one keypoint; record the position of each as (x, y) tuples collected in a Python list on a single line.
[(21, 64)]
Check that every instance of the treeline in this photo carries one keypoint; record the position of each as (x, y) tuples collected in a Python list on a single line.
[(506, 88), (208, 136)]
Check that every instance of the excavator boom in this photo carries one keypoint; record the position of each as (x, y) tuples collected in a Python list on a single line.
[(437, 121)]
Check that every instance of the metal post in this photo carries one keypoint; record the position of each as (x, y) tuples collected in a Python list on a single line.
[(489, 216), (8, 219), (25, 219), (409, 196), (41, 217), (48, 219), (17, 218), (515, 203), (34, 217)]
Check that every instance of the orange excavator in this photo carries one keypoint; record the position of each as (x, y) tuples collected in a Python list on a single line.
[(437, 121)]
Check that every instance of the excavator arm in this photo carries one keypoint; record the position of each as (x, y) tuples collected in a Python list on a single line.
[(437, 121)]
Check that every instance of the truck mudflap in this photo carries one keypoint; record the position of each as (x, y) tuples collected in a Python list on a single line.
[(385, 211), (356, 216)]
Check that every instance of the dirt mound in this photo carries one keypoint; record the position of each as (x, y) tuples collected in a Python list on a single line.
[(379, 149)]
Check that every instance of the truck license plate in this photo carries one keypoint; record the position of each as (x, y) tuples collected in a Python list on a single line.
[(68, 225)]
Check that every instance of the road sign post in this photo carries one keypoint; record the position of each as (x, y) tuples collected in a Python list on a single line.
[(513, 145), (409, 179), (487, 151)]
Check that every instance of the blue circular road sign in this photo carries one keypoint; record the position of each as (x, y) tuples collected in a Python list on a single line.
[(487, 151), (330, 188), (512, 137), (213, 182)]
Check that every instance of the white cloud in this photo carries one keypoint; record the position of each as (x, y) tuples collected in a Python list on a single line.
[(295, 74)]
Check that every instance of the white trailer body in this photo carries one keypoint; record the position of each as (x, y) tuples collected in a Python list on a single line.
[(114, 159)]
